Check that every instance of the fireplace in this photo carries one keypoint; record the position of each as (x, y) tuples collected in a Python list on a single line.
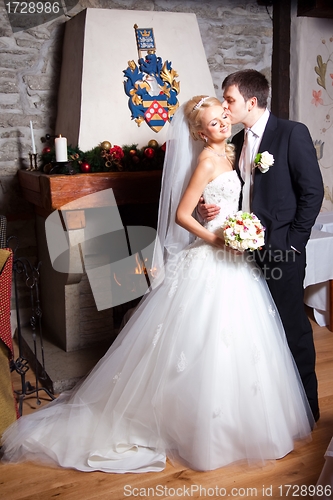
[(71, 322)]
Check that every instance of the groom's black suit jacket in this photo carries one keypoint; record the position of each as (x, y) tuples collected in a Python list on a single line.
[(287, 198)]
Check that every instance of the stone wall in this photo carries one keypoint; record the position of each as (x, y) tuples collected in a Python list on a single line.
[(236, 34)]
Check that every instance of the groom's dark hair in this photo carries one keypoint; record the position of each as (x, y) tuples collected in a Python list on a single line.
[(250, 83)]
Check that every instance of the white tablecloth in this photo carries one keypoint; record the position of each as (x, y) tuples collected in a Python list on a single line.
[(324, 222), (319, 256), (326, 477)]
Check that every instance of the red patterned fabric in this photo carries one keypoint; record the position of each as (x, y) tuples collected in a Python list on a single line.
[(9, 411), (5, 295)]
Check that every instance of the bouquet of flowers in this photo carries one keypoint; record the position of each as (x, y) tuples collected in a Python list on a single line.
[(244, 231)]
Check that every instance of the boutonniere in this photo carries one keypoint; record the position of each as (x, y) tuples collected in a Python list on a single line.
[(264, 161)]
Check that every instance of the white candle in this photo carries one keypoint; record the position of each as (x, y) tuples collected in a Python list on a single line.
[(60, 144), (32, 139)]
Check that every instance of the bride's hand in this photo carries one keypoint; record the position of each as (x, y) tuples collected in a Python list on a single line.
[(233, 251), (220, 243)]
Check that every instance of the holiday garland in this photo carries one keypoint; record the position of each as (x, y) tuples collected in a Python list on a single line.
[(108, 158)]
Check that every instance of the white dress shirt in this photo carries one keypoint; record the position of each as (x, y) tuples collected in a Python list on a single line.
[(251, 145), (258, 130)]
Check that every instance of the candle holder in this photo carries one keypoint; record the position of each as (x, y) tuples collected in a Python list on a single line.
[(62, 167), (33, 161)]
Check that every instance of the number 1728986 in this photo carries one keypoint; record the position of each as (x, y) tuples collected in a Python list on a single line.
[(303, 490), (33, 7)]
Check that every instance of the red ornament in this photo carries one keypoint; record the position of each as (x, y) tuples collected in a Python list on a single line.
[(85, 167), (163, 147), (149, 152), (46, 150)]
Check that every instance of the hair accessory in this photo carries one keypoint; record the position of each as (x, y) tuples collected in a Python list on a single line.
[(200, 103)]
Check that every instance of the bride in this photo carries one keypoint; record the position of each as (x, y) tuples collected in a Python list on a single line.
[(202, 370)]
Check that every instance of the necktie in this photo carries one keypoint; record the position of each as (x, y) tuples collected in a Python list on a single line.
[(246, 170)]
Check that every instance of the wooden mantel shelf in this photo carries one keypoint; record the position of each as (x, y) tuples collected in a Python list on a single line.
[(51, 192)]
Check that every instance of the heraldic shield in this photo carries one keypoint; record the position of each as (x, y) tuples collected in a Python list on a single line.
[(151, 87), (157, 111)]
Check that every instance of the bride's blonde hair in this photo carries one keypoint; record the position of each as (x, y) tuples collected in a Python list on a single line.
[(192, 113)]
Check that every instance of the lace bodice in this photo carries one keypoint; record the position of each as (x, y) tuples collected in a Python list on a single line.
[(223, 191)]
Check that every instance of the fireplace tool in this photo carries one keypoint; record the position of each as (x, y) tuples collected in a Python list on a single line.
[(22, 266)]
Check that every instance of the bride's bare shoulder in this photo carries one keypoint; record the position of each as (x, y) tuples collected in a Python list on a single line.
[(205, 164)]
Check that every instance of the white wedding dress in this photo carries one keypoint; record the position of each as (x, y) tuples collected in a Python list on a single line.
[(201, 372)]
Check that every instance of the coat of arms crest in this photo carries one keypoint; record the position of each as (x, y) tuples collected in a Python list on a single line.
[(151, 85)]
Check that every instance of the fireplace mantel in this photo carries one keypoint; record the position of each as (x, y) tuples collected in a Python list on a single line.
[(51, 192)]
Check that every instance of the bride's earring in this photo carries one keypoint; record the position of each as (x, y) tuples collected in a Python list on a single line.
[(204, 138)]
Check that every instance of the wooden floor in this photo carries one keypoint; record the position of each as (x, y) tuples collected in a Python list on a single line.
[(301, 467)]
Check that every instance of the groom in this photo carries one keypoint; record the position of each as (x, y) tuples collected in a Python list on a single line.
[(287, 199)]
